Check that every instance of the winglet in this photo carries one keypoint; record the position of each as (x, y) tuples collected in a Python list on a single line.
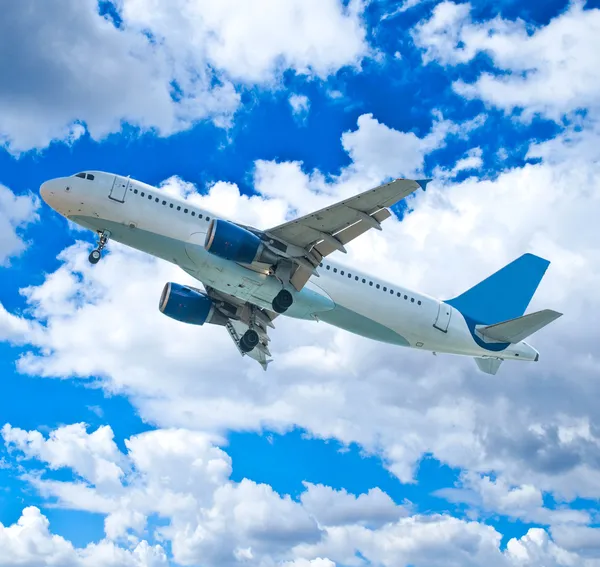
[(423, 183)]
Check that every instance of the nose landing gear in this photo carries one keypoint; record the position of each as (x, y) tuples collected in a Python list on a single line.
[(96, 254)]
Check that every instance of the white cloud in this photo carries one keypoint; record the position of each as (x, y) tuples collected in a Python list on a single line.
[(300, 106), (485, 495), (550, 70), (101, 76), (92, 456), (181, 477), (318, 562), (16, 212), (255, 42), (29, 543), (337, 507), (379, 151), (578, 539), (470, 162)]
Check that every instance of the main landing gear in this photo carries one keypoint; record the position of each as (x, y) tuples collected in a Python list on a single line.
[(283, 301), (249, 340), (96, 254)]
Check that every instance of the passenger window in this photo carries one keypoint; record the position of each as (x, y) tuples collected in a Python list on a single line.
[(349, 275), (185, 210), (370, 283), (135, 191), (193, 213), (82, 175), (392, 291), (199, 215), (149, 197), (412, 299), (90, 177), (207, 219), (384, 288), (377, 286), (342, 273), (328, 267), (356, 278), (335, 270), (399, 294), (164, 202), (156, 199), (364, 280), (419, 302), (178, 208), (321, 265), (171, 205), (142, 194)]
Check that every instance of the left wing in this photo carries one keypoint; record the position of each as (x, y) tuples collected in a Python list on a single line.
[(242, 316), (320, 233)]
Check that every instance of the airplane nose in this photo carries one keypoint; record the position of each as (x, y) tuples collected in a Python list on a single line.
[(45, 190)]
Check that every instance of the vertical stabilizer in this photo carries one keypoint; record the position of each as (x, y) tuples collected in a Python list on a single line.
[(504, 295)]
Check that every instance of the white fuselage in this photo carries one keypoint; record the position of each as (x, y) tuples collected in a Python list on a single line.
[(145, 218)]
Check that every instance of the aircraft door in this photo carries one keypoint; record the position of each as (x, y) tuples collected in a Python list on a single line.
[(443, 317), (119, 189)]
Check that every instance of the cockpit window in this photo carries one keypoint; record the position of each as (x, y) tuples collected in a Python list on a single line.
[(84, 175)]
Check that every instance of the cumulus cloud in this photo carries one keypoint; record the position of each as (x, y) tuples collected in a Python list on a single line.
[(254, 43), (380, 151), (29, 542), (165, 66), (548, 70), (93, 456), (16, 212), (182, 477), (485, 495), (337, 507)]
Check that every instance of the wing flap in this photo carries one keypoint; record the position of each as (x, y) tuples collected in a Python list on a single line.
[(516, 330), (350, 233)]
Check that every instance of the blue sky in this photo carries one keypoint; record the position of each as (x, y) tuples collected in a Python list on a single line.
[(369, 454)]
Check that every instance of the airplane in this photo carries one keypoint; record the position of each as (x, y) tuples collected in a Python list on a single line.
[(250, 276)]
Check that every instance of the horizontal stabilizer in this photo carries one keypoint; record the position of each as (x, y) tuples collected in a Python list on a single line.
[(488, 365), (516, 330)]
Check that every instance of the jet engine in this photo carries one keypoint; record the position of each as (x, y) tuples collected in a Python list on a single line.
[(189, 305), (232, 242)]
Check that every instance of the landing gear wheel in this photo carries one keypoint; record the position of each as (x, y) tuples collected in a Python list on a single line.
[(95, 256), (283, 301), (103, 236), (249, 340)]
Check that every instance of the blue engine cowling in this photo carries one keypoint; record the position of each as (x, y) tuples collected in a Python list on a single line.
[(189, 305), (232, 242)]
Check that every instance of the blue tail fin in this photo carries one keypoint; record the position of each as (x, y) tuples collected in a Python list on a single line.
[(505, 294)]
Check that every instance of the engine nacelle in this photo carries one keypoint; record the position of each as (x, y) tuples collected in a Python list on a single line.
[(232, 242), (189, 305)]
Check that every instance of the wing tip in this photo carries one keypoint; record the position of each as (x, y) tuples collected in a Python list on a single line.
[(423, 183)]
